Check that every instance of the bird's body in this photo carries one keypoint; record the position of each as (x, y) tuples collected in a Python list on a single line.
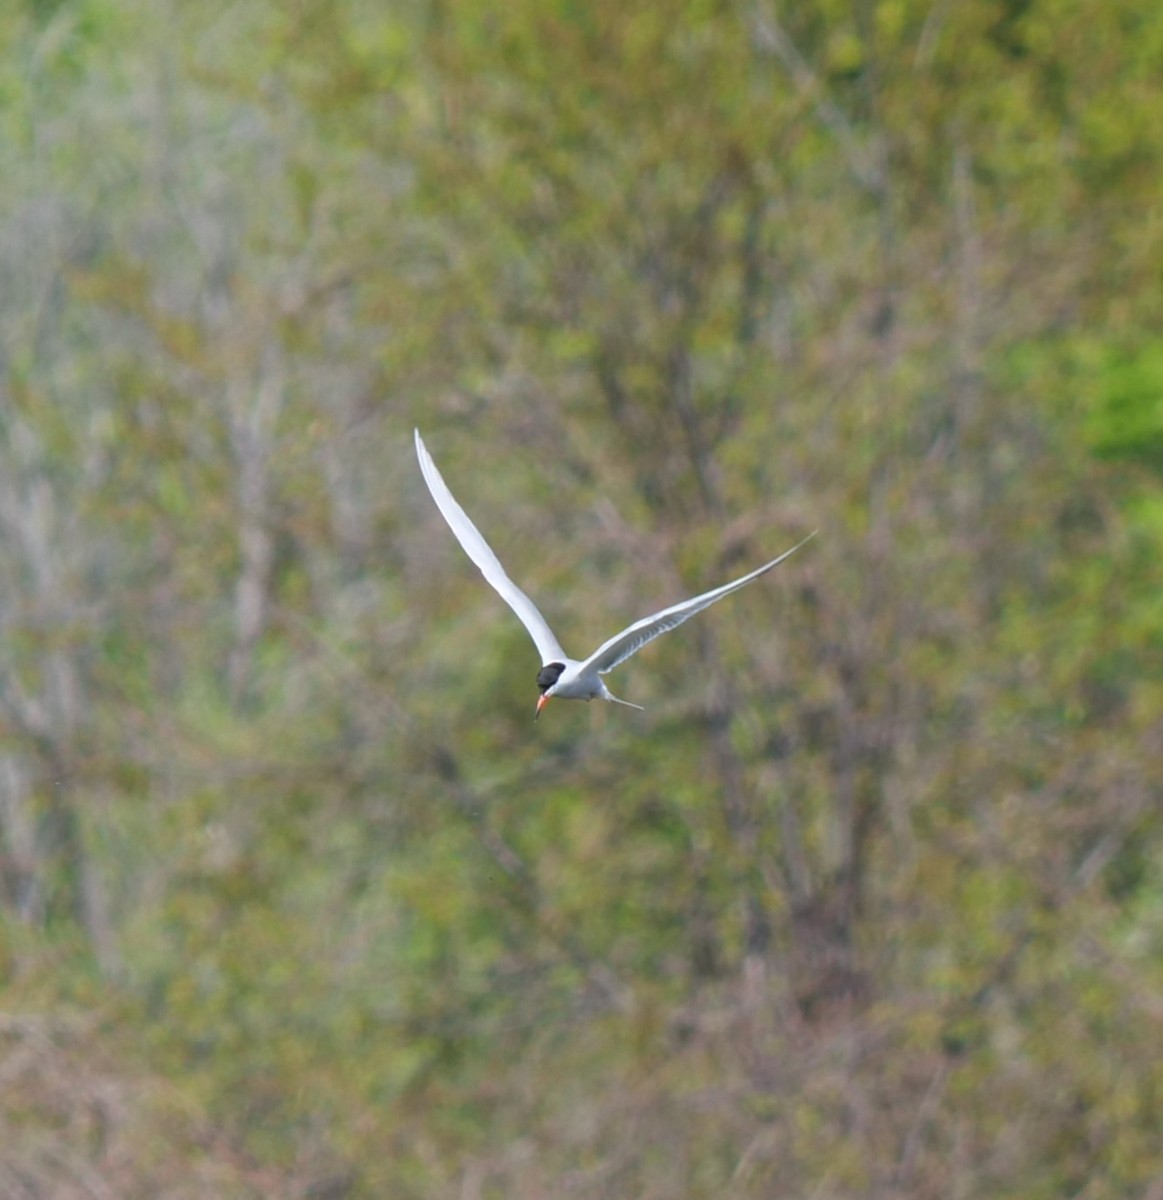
[(561, 676), (571, 680)]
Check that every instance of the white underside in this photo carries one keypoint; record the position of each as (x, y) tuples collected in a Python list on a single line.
[(576, 683)]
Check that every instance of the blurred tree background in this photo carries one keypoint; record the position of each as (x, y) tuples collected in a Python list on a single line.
[(295, 900)]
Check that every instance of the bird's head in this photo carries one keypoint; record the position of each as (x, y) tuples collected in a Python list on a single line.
[(547, 679)]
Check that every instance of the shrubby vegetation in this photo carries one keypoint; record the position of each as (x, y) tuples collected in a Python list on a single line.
[(296, 900)]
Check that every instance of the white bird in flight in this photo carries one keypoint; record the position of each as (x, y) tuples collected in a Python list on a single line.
[(560, 675)]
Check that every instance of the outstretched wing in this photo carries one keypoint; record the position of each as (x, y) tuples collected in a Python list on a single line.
[(478, 550), (619, 648)]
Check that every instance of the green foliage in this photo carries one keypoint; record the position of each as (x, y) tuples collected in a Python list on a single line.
[(295, 899)]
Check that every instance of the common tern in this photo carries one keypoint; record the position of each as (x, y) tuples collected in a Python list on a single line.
[(560, 675)]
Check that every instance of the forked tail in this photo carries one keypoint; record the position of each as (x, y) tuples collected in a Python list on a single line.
[(610, 696)]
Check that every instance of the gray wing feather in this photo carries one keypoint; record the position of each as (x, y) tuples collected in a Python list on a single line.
[(620, 647), (475, 546)]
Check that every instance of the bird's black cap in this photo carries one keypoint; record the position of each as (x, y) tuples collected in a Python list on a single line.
[(549, 675)]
